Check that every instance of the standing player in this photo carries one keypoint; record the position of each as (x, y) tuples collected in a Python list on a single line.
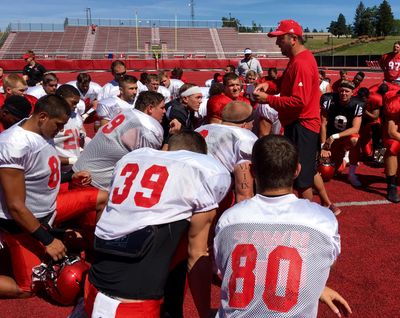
[(231, 143), (298, 103), (391, 139), (275, 251), (129, 130), (153, 194), (109, 107), (390, 64), (341, 121)]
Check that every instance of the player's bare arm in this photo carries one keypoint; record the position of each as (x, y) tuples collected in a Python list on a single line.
[(13, 184), (393, 130), (243, 181), (199, 263)]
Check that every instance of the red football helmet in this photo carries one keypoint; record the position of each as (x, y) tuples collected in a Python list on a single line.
[(326, 169), (64, 280)]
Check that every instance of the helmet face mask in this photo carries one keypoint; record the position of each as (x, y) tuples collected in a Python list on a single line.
[(63, 280)]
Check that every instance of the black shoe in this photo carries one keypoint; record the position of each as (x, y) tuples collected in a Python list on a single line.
[(392, 194)]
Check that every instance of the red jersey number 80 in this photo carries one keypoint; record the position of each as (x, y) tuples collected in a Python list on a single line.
[(154, 178), (244, 259)]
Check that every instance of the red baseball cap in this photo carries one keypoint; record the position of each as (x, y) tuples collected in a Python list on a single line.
[(287, 27), (27, 56)]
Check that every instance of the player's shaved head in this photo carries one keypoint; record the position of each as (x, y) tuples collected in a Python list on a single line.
[(187, 140), (53, 105), (237, 112)]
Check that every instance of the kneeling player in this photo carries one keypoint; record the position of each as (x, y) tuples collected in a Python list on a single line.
[(275, 261), (152, 195)]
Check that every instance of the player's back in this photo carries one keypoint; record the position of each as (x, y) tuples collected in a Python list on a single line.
[(152, 187), (129, 130), (230, 145), (275, 255)]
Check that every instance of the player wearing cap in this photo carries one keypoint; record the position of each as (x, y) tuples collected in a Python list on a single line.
[(390, 64), (216, 103), (129, 130), (341, 121), (274, 250), (249, 63), (168, 189), (298, 103), (33, 71)]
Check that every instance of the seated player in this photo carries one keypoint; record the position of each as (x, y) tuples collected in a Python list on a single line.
[(168, 189), (172, 84), (111, 89), (15, 108), (48, 87), (274, 250)]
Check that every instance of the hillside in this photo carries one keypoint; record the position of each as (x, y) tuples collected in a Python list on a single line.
[(343, 46)]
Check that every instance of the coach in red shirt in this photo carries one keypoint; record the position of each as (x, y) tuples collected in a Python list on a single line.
[(298, 103)]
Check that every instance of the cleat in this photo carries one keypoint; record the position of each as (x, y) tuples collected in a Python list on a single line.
[(353, 179), (392, 194)]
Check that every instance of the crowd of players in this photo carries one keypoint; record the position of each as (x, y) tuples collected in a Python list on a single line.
[(168, 159)]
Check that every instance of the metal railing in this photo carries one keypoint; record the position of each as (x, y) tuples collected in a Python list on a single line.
[(36, 27)]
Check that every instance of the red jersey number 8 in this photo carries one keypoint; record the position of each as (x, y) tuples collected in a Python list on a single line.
[(54, 172), (247, 253)]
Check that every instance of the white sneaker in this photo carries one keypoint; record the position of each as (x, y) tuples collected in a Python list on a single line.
[(353, 179)]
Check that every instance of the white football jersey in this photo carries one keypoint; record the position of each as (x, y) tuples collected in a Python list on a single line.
[(267, 112), (36, 91), (161, 89), (275, 255), (67, 141), (230, 145), (152, 187), (25, 150), (174, 87), (91, 94), (110, 89), (129, 130), (110, 107)]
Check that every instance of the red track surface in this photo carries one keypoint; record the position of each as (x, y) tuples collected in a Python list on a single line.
[(367, 271)]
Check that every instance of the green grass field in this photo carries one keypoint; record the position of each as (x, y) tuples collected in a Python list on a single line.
[(373, 47)]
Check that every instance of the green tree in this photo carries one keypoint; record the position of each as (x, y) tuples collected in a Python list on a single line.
[(333, 28), (306, 30), (385, 19), (363, 21), (396, 27), (341, 27), (230, 22)]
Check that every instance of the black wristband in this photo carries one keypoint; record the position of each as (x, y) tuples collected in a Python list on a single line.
[(43, 236)]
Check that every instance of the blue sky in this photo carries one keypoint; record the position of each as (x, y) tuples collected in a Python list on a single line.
[(310, 13)]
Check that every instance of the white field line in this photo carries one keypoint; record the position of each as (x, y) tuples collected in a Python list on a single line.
[(355, 203)]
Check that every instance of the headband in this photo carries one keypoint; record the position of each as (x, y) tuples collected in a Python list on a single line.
[(190, 91), (241, 121)]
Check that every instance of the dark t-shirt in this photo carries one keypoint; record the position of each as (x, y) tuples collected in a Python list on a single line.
[(35, 73), (176, 110), (340, 117)]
